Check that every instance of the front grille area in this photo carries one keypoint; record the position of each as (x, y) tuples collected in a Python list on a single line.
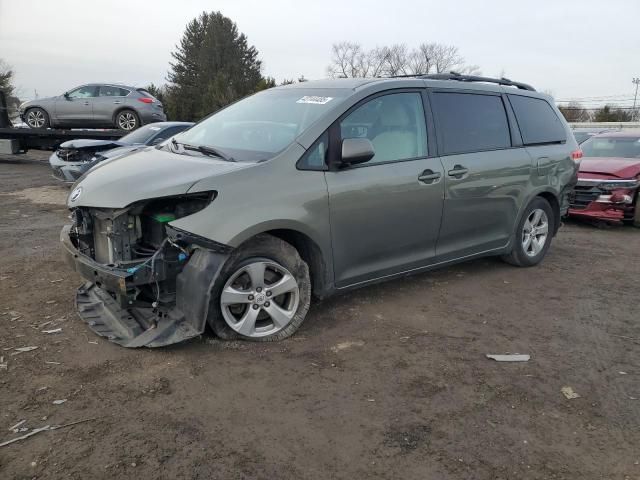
[(583, 195)]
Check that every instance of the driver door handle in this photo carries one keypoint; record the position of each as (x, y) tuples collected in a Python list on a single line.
[(117, 102), (86, 103), (458, 171), (429, 177)]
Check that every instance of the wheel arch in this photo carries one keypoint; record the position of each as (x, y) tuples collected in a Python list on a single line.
[(46, 110), (122, 109), (552, 198), (309, 250)]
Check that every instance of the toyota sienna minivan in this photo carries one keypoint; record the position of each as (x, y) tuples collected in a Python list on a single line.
[(312, 189)]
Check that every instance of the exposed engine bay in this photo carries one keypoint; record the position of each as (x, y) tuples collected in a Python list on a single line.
[(81, 152), (132, 259)]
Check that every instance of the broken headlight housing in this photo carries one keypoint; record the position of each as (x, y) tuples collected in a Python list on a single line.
[(619, 184), (120, 237)]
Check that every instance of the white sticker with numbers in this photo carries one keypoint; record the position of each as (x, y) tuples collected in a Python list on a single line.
[(315, 100)]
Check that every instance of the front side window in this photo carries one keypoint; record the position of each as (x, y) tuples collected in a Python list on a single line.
[(260, 126), (315, 157), (469, 122), (83, 92), (537, 120), (394, 123)]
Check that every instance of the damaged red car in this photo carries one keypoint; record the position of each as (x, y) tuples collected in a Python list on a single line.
[(609, 179)]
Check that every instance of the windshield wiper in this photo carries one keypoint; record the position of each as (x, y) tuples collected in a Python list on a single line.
[(213, 152)]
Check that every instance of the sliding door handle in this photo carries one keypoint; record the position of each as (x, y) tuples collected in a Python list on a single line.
[(429, 176), (458, 171)]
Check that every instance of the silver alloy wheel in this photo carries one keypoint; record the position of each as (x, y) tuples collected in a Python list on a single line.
[(127, 121), (260, 299), (35, 119), (535, 232)]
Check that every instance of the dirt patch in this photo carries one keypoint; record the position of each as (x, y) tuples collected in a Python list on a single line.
[(410, 393), (51, 195)]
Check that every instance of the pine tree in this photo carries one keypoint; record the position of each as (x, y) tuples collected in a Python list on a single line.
[(214, 66)]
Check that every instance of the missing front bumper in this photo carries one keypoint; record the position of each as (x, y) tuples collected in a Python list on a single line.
[(99, 302)]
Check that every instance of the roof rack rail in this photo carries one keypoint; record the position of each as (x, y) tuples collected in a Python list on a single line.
[(470, 78)]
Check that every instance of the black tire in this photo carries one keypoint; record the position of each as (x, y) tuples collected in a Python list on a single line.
[(518, 256), (261, 248), (127, 120), (37, 118), (636, 213)]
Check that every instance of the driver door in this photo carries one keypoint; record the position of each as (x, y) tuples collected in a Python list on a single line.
[(385, 213), (76, 107)]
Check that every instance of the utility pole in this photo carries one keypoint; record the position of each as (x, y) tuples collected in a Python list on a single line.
[(635, 81)]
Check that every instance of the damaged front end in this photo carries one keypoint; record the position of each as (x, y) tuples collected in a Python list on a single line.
[(72, 159), (147, 283), (608, 200)]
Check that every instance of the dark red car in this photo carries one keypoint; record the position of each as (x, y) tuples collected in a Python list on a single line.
[(609, 178)]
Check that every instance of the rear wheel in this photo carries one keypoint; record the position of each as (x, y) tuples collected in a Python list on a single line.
[(533, 234), (263, 292), (37, 118), (127, 120)]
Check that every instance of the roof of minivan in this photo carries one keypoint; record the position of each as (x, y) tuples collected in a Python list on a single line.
[(357, 83)]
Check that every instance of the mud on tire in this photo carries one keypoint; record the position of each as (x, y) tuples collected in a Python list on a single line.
[(262, 248)]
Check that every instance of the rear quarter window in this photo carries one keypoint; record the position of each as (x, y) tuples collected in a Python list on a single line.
[(537, 120), (469, 122)]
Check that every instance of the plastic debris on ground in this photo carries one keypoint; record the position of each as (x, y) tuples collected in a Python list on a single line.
[(569, 393), (509, 358)]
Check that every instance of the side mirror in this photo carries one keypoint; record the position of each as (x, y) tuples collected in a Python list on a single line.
[(356, 150), (66, 95), (158, 140)]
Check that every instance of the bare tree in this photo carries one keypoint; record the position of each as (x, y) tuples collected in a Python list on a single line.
[(446, 58), (349, 59)]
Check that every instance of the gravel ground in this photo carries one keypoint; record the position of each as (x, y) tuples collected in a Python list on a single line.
[(386, 382)]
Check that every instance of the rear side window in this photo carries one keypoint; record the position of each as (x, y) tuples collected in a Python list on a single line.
[(537, 120), (469, 122), (111, 91)]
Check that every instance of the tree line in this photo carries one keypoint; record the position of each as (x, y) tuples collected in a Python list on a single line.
[(575, 112), (350, 59)]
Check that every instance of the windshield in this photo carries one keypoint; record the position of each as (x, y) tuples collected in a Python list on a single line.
[(626, 147), (141, 135), (262, 125)]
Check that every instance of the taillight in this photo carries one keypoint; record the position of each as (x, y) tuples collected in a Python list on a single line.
[(576, 155), (145, 100)]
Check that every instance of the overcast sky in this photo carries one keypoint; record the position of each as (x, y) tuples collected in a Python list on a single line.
[(573, 48)]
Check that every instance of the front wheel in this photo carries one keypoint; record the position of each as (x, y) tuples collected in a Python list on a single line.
[(127, 120), (533, 234), (37, 118), (263, 292)]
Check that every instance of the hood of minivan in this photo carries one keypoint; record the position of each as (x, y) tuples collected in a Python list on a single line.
[(143, 174), (611, 166)]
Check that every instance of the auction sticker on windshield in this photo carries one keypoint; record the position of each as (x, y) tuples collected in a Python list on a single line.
[(316, 100)]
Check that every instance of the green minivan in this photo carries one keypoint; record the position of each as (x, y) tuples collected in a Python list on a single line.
[(311, 189)]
